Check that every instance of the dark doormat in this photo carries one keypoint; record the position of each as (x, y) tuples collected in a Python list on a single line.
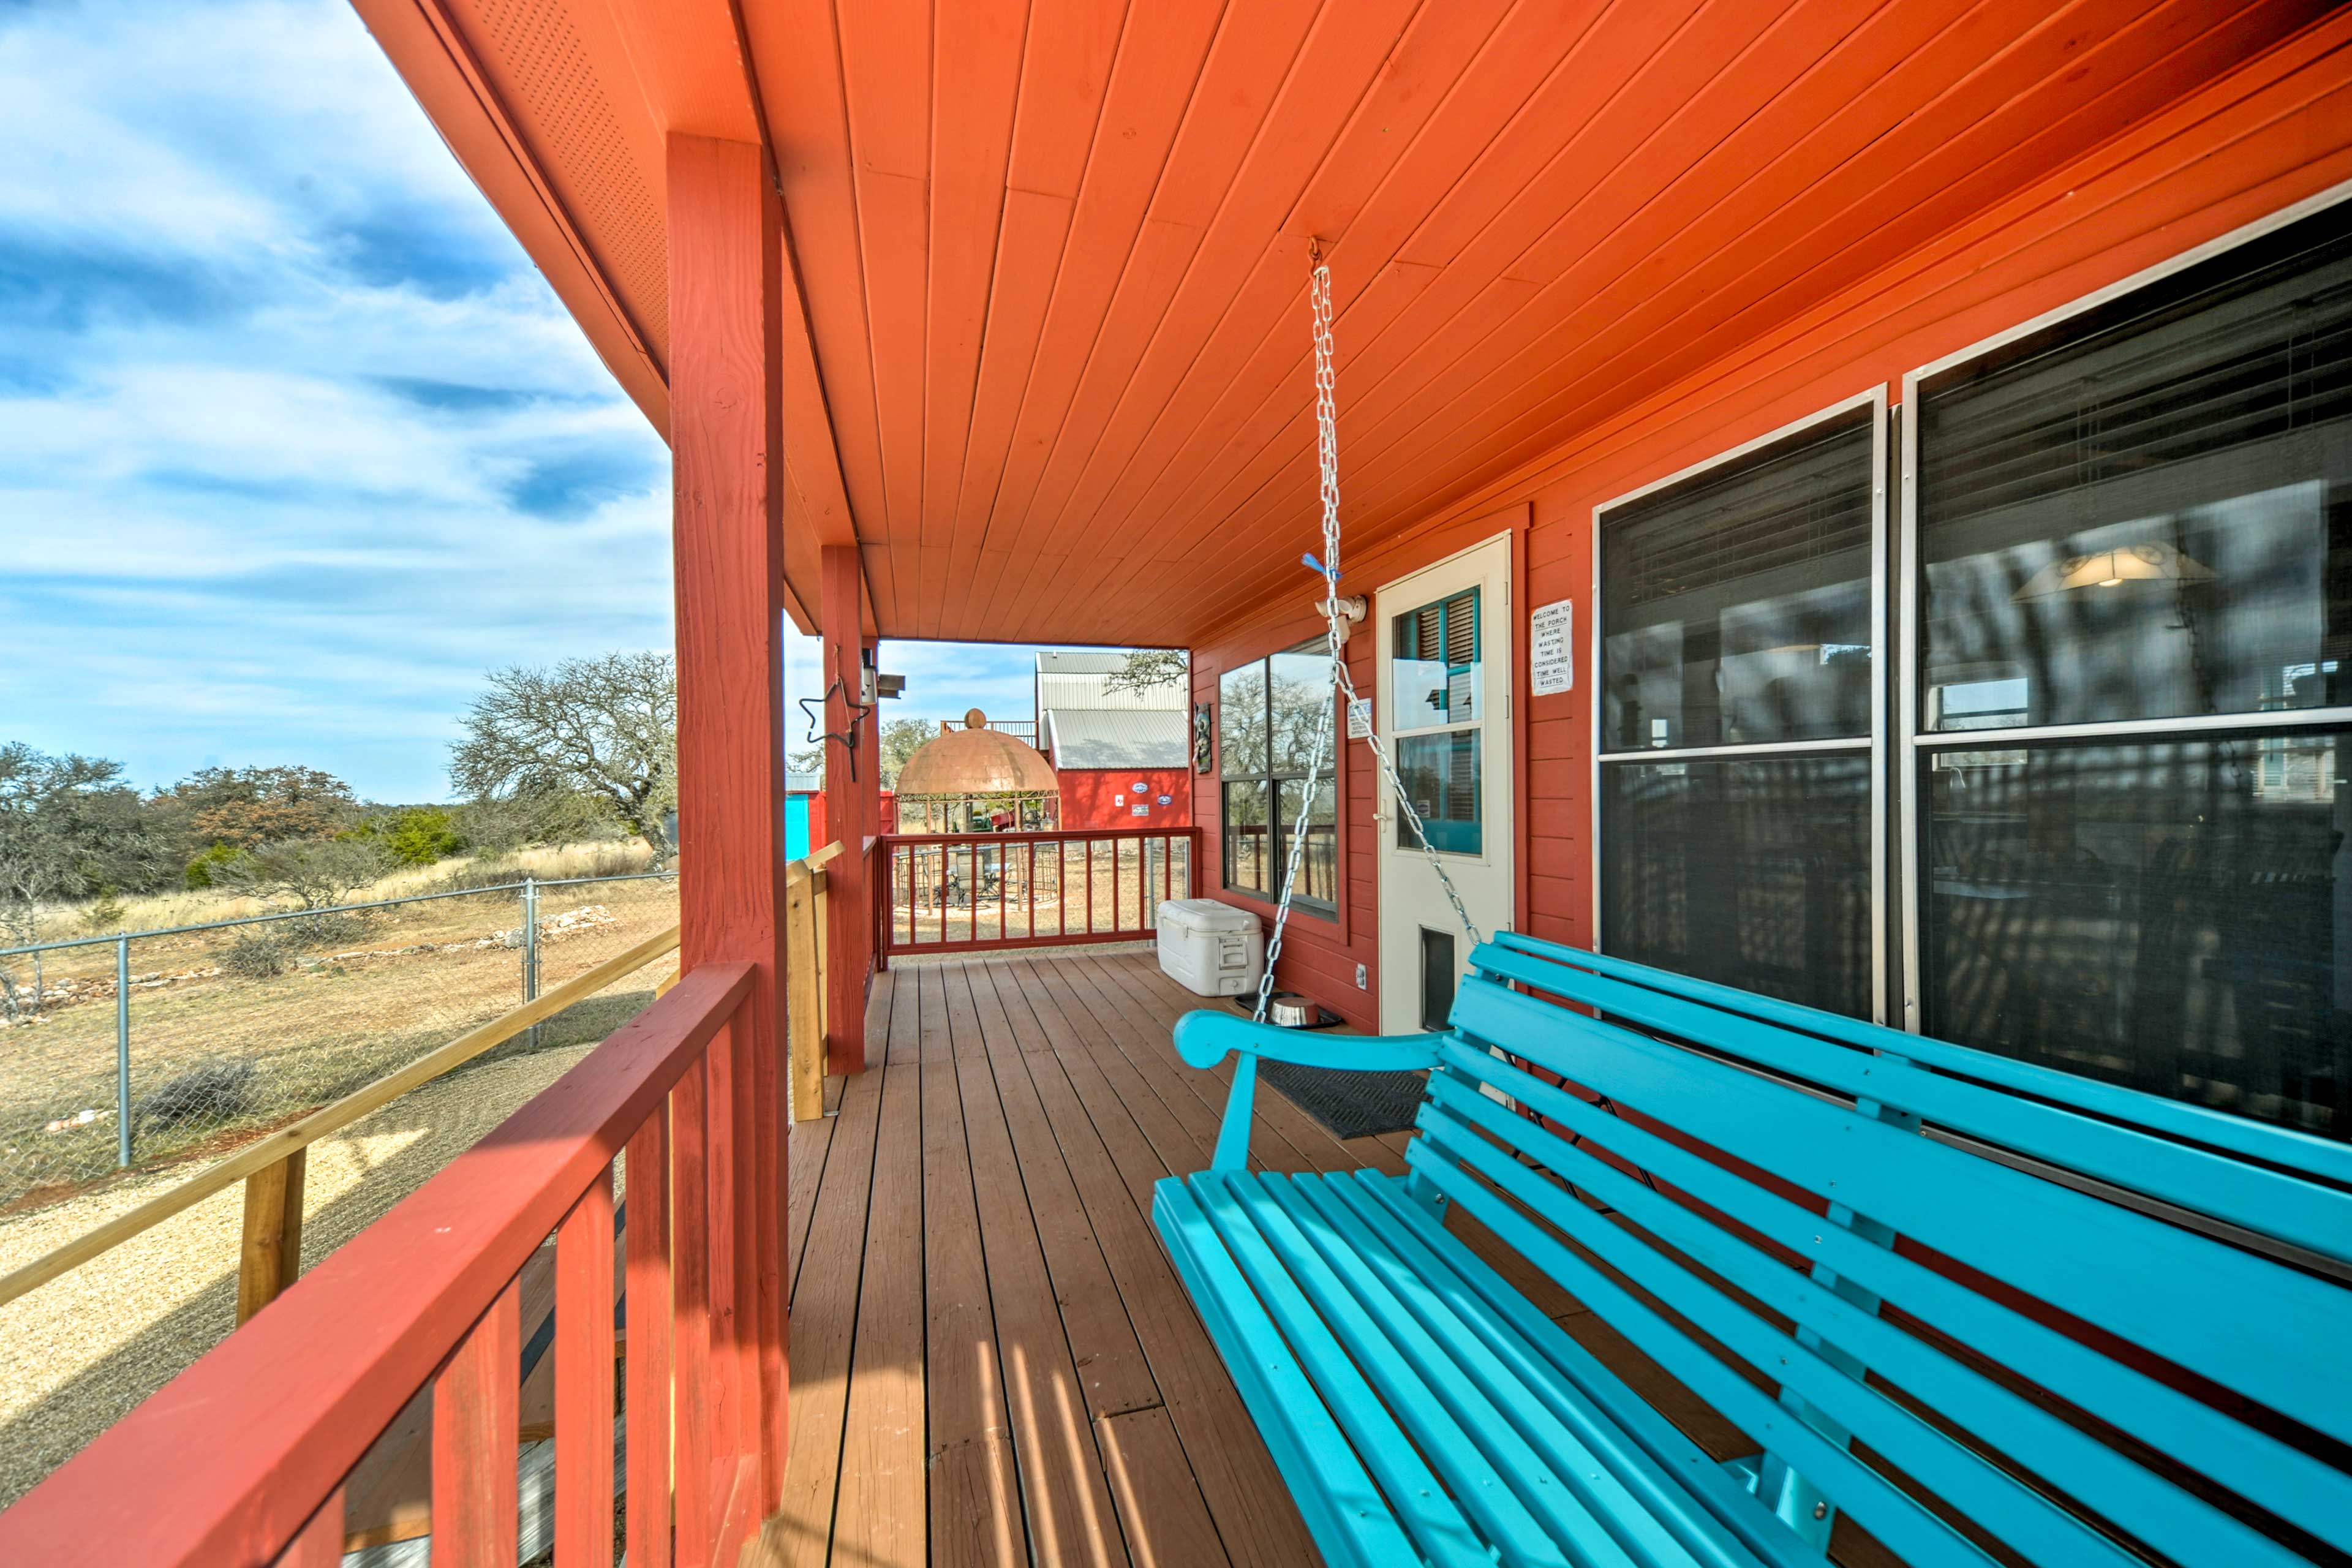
[(1349, 1104)]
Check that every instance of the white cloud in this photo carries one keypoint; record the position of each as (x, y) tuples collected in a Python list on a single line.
[(294, 441)]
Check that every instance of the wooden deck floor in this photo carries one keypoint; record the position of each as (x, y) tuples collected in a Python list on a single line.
[(992, 1359)]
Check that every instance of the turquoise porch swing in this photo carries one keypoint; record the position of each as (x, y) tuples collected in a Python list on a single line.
[(1957, 1304)]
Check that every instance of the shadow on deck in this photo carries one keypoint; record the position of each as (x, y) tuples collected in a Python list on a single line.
[(992, 1359)]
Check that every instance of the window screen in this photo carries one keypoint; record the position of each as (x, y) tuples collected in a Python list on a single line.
[(2142, 512), (1735, 606), (1751, 872), (1735, 617), (2175, 915)]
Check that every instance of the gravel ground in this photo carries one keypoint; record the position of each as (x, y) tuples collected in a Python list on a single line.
[(80, 1351)]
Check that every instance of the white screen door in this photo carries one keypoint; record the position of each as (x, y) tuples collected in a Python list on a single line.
[(1443, 707)]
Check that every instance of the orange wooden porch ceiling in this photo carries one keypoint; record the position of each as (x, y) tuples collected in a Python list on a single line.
[(1049, 369)]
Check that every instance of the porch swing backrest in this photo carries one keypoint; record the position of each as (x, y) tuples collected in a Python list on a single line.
[(1931, 1285), (1791, 1170)]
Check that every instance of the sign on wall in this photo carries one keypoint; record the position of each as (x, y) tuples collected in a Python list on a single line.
[(1551, 647), (1360, 718)]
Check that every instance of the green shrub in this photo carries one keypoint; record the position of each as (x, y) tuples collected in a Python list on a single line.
[(205, 870), (420, 834)]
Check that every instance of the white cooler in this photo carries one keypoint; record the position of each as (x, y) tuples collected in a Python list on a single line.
[(1210, 949)]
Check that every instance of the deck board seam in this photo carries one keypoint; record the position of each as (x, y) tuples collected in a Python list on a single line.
[(988, 1285), (1028, 996), (1061, 1318)]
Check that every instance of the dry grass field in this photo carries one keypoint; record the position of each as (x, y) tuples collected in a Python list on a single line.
[(79, 1353), (218, 1055)]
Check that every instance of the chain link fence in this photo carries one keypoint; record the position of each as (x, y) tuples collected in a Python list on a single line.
[(150, 1047)]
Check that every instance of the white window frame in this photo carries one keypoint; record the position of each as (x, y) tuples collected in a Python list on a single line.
[(1874, 745), (1911, 743)]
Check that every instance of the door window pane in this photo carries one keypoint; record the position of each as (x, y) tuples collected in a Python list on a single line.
[(1435, 670), (2142, 512), (1246, 836), (2171, 914), (1735, 607), (1750, 872), (1440, 774)]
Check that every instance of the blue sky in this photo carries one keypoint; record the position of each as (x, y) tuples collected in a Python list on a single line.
[(294, 441)]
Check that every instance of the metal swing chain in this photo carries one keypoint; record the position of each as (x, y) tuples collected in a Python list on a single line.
[(1326, 449)]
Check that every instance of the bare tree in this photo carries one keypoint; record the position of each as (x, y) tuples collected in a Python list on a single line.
[(1148, 669), (604, 727), (313, 872)]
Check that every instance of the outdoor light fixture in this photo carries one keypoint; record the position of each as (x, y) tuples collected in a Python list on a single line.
[(889, 686)]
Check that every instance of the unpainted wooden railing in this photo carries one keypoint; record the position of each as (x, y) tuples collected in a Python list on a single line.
[(243, 1457), (271, 1167)]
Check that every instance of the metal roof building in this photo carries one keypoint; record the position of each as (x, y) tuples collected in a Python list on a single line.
[(1107, 738), (1077, 679)]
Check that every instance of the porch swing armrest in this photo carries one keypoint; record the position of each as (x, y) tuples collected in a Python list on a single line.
[(1203, 1038)]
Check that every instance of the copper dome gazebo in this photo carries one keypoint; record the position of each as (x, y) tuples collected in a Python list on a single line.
[(959, 769)]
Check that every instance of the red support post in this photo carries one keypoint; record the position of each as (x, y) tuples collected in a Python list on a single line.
[(851, 806), (726, 321)]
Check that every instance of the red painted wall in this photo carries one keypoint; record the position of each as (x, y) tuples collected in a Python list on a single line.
[(1102, 797), (2242, 147)]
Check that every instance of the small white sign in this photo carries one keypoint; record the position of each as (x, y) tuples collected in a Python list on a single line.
[(1142, 787), (1360, 718), (1551, 647), (1139, 809), (1118, 800)]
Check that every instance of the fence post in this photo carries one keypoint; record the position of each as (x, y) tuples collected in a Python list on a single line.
[(531, 948), (270, 1254), (122, 1049)]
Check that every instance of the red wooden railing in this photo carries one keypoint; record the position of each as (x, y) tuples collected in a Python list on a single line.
[(242, 1458), (960, 892)]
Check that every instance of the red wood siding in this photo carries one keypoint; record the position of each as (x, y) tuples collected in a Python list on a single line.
[(2255, 141), (1105, 798)]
